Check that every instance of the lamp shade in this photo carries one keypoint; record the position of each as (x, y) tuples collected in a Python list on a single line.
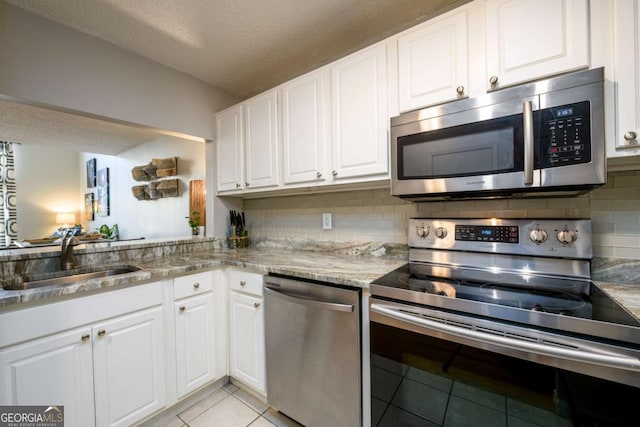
[(66, 219)]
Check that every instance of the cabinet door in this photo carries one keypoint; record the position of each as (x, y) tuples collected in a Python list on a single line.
[(627, 71), (433, 62), (129, 367), (261, 140), (303, 128), (195, 337), (246, 340), (528, 39), (229, 155), (56, 370), (359, 114)]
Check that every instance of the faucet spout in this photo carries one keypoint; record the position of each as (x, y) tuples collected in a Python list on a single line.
[(66, 249)]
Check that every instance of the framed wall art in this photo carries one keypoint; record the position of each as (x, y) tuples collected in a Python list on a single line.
[(102, 208), (89, 207), (91, 173)]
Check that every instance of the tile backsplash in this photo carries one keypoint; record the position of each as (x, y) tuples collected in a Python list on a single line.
[(376, 216)]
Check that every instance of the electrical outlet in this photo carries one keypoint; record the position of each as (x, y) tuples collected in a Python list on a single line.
[(327, 221)]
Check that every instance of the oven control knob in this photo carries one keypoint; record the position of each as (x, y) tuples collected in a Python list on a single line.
[(567, 237), (422, 231), (537, 235), (441, 232)]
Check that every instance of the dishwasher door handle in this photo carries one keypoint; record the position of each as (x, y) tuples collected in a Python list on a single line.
[(347, 308)]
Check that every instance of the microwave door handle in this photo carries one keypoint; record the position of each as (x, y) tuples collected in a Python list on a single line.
[(527, 117)]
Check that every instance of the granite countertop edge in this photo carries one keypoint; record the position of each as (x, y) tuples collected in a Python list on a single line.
[(347, 270)]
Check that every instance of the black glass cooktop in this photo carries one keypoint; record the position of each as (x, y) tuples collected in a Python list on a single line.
[(593, 304)]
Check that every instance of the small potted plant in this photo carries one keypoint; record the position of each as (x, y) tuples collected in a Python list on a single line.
[(194, 222)]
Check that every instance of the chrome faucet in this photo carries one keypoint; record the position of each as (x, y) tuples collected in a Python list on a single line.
[(66, 248)]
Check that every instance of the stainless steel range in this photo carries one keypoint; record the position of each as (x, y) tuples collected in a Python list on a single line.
[(515, 291)]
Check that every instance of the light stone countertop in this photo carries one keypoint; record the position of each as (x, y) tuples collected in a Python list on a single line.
[(619, 278), (337, 268)]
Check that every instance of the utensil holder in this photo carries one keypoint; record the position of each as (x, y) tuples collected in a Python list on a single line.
[(238, 239)]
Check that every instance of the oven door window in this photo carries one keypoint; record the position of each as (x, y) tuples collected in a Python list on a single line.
[(481, 148), (423, 380)]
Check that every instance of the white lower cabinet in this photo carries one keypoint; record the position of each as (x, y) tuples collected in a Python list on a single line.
[(196, 334), (128, 367), (247, 361), (56, 370), (100, 356)]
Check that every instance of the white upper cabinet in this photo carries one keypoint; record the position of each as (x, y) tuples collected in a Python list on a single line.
[(261, 140), (304, 133), (432, 62), (529, 39), (359, 116), (229, 149), (627, 75)]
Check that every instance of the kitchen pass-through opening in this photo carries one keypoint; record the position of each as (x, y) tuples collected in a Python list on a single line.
[(423, 380)]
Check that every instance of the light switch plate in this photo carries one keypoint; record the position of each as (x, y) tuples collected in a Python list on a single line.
[(327, 221)]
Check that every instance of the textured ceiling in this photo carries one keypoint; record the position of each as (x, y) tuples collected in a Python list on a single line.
[(242, 46), (26, 123)]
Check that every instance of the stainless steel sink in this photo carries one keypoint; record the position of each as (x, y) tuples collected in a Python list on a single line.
[(67, 277)]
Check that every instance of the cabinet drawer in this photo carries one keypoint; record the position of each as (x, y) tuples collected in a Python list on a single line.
[(245, 282), (192, 284)]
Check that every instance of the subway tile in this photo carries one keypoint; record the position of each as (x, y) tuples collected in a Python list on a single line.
[(626, 181)]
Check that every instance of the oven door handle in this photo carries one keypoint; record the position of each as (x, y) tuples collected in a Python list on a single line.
[(616, 361)]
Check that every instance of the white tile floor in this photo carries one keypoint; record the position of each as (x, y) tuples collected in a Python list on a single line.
[(228, 406)]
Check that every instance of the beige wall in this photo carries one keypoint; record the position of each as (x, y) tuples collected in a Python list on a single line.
[(46, 183), (374, 215), (49, 63)]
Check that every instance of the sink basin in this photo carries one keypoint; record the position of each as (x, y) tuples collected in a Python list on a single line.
[(68, 277)]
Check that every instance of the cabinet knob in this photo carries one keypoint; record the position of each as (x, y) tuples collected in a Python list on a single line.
[(460, 90), (246, 184), (237, 185), (243, 283), (256, 304), (85, 338), (630, 136), (334, 173), (196, 285), (493, 80), (318, 175), (101, 332), (181, 308)]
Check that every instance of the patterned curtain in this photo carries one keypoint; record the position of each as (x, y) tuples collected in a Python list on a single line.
[(8, 217)]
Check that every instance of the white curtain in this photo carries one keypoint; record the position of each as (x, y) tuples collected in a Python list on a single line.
[(8, 216)]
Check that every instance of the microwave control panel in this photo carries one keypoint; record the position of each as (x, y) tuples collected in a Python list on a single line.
[(565, 135)]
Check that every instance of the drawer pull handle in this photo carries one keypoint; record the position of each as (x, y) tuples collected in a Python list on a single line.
[(85, 338), (243, 283), (101, 332), (256, 304), (196, 285), (182, 308)]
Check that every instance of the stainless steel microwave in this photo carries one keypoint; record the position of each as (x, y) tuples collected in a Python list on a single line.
[(544, 138)]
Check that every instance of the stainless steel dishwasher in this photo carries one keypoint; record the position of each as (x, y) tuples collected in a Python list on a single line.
[(313, 352)]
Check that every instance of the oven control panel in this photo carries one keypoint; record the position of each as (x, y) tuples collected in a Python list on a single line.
[(560, 238)]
